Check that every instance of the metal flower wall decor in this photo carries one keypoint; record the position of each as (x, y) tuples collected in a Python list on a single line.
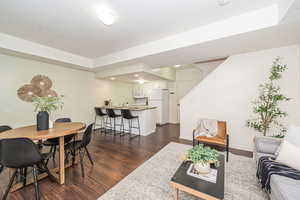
[(40, 85)]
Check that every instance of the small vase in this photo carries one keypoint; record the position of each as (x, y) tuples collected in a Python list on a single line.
[(42, 121), (202, 168), (50, 123)]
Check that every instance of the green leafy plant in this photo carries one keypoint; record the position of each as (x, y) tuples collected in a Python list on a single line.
[(266, 107), (203, 155), (47, 104)]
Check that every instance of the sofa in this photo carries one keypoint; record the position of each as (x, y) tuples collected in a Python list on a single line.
[(282, 188)]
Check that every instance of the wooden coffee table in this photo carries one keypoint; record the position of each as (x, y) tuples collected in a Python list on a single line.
[(197, 187)]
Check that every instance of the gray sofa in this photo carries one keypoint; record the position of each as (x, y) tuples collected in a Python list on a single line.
[(282, 188)]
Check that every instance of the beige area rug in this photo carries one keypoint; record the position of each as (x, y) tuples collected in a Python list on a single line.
[(151, 181)]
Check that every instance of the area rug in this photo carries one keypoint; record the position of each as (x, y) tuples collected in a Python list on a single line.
[(151, 181)]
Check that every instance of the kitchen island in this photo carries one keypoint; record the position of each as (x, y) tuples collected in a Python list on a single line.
[(147, 116)]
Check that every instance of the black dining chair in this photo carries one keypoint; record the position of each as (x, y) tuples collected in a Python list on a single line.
[(81, 146), (101, 115), (127, 115), (21, 153), (2, 129), (54, 142)]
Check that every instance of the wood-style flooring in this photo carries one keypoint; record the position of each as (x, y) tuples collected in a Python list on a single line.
[(114, 158)]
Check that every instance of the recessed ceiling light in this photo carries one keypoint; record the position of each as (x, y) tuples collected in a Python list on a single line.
[(136, 75), (223, 2), (112, 78), (141, 81), (106, 16), (176, 66)]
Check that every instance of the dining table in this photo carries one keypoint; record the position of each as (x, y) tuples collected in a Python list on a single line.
[(59, 130)]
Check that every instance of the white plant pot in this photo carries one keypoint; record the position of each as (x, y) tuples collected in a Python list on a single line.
[(202, 168), (50, 123)]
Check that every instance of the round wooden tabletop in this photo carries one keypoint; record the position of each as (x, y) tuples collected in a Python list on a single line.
[(58, 130)]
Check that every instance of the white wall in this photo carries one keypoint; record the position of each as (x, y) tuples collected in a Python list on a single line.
[(186, 80), (82, 91), (227, 92)]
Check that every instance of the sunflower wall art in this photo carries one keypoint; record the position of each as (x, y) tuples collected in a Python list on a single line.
[(40, 85)]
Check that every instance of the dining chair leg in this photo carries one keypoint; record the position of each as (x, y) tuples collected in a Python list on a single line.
[(73, 153), (227, 149), (95, 122), (9, 185), (25, 177), (1, 168), (54, 152), (50, 152), (89, 155), (51, 177), (36, 186), (81, 161)]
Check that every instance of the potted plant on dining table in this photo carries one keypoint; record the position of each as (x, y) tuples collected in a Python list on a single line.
[(202, 157), (44, 106)]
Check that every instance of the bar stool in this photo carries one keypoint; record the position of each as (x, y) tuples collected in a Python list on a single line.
[(112, 115), (102, 116), (126, 114)]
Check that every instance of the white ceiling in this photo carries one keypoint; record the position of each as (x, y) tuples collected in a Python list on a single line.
[(277, 36), (131, 77), (70, 33), (73, 26)]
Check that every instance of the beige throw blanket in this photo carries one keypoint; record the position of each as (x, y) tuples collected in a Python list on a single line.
[(206, 127)]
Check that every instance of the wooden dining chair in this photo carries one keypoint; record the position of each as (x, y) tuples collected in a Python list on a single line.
[(221, 139)]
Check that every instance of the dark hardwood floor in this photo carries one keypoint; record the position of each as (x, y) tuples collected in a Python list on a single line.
[(114, 158)]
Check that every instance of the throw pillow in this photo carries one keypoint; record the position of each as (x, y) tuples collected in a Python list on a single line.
[(293, 135), (289, 155)]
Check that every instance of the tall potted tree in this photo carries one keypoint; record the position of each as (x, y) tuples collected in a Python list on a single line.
[(44, 106), (266, 107)]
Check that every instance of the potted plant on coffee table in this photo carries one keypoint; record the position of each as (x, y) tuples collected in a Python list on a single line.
[(44, 106), (202, 157)]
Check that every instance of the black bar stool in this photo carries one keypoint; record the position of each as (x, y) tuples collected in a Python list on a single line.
[(112, 115), (126, 114), (102, 116)]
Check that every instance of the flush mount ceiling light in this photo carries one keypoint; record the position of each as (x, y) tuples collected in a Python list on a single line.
[(136, 75), (106, 16), (112, 78), (176, 66), (223, 2)]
